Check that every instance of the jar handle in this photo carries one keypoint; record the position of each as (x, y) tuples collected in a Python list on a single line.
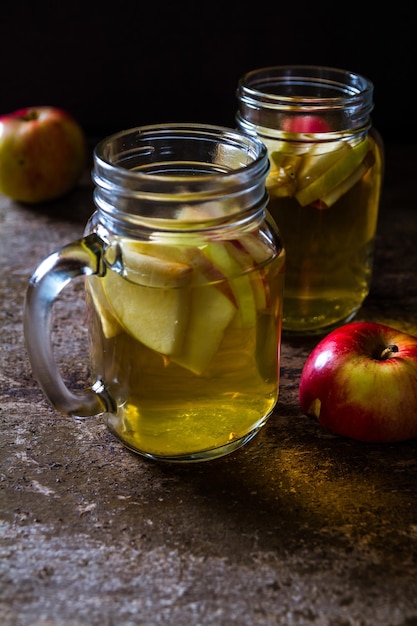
[(79, 258)]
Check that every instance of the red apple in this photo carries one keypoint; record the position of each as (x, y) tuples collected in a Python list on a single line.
[(306, 124), (360, 381), (42, 154)]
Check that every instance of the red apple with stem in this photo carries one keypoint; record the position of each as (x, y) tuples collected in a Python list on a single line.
[(42, 154), (360, 381)]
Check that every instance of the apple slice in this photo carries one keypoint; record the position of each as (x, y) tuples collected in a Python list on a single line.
[(152, 299), (322, 173), (319, 159), (110, 326), (155, 316), (279, 186), (152, 270), (191, 256), (256, 275), (258, 248), (308, 124), (289, 163), (210, 313), (282, 179), (211, 307), (240, 284), (338, 191)]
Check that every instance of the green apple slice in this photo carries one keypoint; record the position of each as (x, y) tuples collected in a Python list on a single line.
[(212, 305), (189, 255), (322, 173), (338, 191), (287, 163), (279, 186), (151, 299), (315, 163), (240, 284), (249, 252), (157, 317), (178, 300), (110, 326), (282, 179), (152, 270), (211, 312)]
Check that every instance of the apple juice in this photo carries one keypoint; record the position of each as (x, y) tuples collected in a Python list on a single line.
[(185, 340), (183, 271), (326, 204), (324, 184)]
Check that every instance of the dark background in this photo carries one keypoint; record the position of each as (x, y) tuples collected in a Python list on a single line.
[(124, 64)]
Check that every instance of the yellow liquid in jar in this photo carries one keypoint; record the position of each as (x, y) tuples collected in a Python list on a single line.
[(176, 406), (329, 248)]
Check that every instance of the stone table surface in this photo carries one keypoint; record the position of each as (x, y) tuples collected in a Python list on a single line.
[(299, 527)]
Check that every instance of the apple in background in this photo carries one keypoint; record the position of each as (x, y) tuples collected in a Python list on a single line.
[(360, 381), (43, 153), (306, 124)]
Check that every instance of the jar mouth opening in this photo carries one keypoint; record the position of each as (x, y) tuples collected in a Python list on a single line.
[(178, 155), (286, 86), (163, 171)]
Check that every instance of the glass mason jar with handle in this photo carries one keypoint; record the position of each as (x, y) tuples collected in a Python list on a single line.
[(324, 184), (184, 283)]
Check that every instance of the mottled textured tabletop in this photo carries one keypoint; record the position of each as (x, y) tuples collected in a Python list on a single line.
[(299, 527)]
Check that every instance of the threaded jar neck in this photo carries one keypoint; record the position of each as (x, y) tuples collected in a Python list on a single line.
[(338, 100), (169, 176)]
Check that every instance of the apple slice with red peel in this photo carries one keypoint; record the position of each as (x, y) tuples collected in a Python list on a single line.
[(360, 381), (178, 300), (170, 306), (220, 256), (249, 251), (154, 271), (306, 124), (189, 256), (240, 249)]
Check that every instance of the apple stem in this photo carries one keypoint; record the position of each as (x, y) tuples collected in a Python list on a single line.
[(388, 351), (30, 116)]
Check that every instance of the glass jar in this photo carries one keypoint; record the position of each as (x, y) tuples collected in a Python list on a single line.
[(324, 185), (184, 284)]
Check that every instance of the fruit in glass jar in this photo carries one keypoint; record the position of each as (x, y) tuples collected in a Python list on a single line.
[(322, 173), (305, 124), (210, 314), (157, 316), (319, 175), (219, 383), (178, 300), (240, 285)]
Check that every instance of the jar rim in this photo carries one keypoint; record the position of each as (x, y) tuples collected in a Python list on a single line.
[(313, 85), (127, 150), (152, 171)]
